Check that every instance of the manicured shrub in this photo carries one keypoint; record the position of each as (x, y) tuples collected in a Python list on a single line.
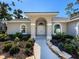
[(1, 31), (16, 39), (54, 42), (19, 35), (26, 37), (12, 37), (61, 46), (68, 37), (4, 37), (62, 38), (28, 51), (32, 41), (69, 47), (22, 44), (56, 37), (28, 45), (14, 50), (7, 46), (78, 51)]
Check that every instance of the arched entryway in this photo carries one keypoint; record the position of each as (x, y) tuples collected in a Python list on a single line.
[(41, 27)]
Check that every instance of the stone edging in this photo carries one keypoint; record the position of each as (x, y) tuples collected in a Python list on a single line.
[(61, 54), (37, 51)]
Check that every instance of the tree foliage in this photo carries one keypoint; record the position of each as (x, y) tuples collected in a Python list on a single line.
[(6, 9), (72, 7), (17, 14)]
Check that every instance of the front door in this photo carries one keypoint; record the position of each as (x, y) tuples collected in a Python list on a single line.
[(41, 30)]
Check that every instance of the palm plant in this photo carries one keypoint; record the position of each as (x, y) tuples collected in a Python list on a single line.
[(4, 11), (18, 14)]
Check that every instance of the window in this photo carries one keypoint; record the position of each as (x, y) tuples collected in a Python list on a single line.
[(57, 28), (23, 28)]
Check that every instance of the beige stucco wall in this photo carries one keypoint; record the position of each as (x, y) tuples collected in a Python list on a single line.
[(67, 26), (13, 27), (71, 27)]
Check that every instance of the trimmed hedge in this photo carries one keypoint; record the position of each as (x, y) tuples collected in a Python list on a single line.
[(7, 46), (14, 50), (26, 37), (4, 37), (69, 48), (28, 51), (28, 45)]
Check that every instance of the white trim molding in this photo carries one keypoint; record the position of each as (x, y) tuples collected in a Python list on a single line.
[(77, 29), (33, 24), (25, 27)]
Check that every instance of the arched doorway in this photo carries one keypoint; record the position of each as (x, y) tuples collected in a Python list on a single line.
[(41, 27)]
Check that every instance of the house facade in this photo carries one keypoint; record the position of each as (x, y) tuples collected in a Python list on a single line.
[(43, 23)]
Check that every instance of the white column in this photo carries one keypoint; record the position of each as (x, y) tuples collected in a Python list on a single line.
[(33, 30), (49, 31)]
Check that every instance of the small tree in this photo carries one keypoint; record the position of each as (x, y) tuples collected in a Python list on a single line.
[(4, 11)]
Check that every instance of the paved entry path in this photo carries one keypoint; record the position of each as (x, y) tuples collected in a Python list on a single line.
[(46, 53)]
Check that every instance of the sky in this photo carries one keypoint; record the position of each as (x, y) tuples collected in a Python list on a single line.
[(42, 6)]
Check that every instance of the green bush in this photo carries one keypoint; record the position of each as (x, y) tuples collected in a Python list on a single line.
[(1, 31), (77, 50), (32, 41), (7, 46), (12, 37), (28, 45), (4, 37), (19, 35), (68, 37), (69, 47), (62, 37), (14, 50), (26, 37), (16, 39), (28, 51)]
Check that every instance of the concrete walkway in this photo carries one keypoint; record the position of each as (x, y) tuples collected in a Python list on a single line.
[(46, 53)]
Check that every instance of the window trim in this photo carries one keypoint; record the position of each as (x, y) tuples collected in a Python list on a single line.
[(25, 27), (77, 29), (54, 27)]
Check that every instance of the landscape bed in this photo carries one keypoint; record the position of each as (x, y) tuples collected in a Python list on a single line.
[(16, 46), (67, 43)]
